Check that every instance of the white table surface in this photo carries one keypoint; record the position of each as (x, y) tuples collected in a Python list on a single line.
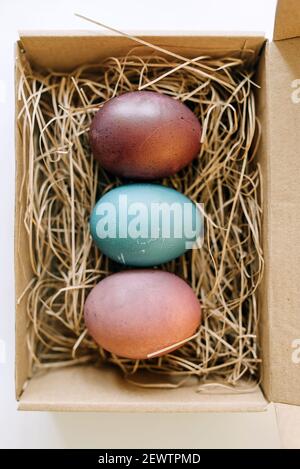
[(70, 430)]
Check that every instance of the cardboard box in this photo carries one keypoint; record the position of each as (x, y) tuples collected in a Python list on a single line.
[(278, 106)]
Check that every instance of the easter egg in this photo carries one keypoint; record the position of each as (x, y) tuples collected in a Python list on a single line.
[(145, 224), (144, 135), (140, 313)]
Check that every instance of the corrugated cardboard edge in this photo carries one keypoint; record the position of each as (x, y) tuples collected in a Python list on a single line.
[(23, 272), (262, 110), (288, 421), (287, 19), (137, 32)]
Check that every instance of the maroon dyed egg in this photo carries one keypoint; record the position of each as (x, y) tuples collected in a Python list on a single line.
[(139, 313), (144, 135)]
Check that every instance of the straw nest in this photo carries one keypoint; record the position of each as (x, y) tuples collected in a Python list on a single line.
[(62, 182)]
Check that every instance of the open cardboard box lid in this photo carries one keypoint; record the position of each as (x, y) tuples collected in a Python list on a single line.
[(287, 20), (288, 421), (282, 141), (283, 269)]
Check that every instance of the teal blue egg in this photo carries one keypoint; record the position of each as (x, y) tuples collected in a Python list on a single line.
[(145, 224)]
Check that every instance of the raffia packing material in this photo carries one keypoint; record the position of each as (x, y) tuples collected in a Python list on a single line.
[(62, 183)]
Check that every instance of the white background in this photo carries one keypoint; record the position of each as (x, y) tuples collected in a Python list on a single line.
[(70, 430)]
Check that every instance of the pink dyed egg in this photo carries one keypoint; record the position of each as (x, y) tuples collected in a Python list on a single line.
[(138, 313)]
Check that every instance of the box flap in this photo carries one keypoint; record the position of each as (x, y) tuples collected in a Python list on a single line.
[(288, 421), (287, 19), (55, 50), (283, 132), (88, 388)]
